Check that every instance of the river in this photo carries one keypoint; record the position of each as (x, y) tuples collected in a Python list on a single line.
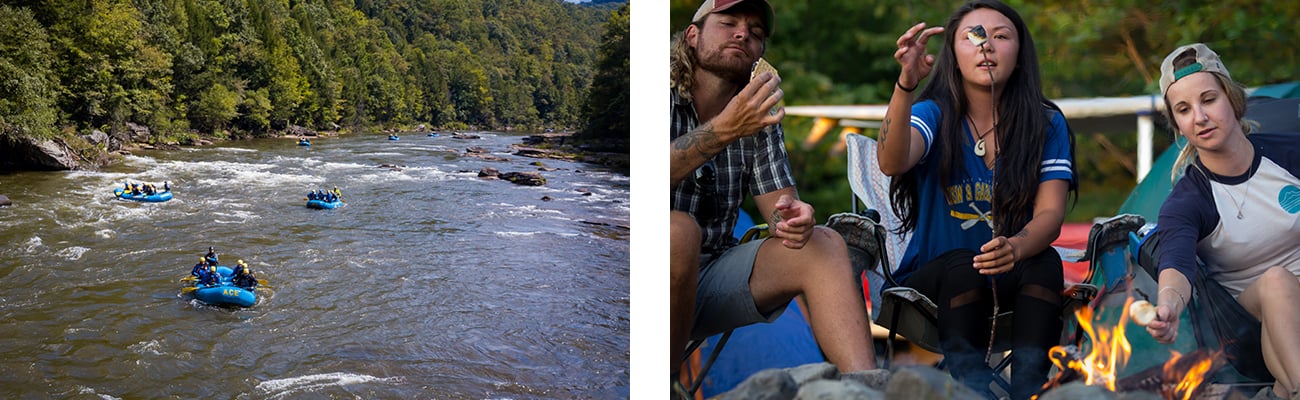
[(428, 283)]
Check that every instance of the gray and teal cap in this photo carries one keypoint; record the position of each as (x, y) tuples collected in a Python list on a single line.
[(1187, 60)]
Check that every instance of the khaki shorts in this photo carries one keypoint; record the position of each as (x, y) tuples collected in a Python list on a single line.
[(722, 299)]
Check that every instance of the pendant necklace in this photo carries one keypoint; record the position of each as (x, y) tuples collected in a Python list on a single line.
[(1244, 196), (979, 144)]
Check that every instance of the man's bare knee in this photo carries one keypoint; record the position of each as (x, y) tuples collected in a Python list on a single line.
[(685, 249), (829, 246), (684, 229), (829, 238)]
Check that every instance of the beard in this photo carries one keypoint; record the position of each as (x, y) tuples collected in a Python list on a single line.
[(732, 69)]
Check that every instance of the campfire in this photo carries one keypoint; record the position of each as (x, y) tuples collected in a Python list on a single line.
[(1180, 377)]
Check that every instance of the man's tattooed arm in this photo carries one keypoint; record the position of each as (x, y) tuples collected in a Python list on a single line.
[(693, 149)]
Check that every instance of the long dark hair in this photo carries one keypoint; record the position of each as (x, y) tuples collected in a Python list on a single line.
[(1024, 116)]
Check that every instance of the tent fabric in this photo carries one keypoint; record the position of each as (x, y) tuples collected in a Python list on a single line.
[(1278, 91), (784, 343), (1273, 115)]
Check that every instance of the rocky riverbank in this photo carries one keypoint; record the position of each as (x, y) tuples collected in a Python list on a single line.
[(99, 149), (561, 146)]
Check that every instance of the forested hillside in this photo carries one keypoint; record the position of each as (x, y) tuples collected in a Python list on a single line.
[(183, 68)]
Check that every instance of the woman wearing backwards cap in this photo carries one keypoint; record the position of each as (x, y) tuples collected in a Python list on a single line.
[(982, 167), (1236, 209)]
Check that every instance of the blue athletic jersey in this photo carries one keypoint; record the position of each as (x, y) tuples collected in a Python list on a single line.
[(966, 221), (1238, 225)]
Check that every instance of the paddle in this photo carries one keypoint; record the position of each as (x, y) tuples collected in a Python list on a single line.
[(190, 278)]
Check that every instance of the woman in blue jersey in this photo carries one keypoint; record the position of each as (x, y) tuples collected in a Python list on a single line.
[(982, 166), (1236, 209)]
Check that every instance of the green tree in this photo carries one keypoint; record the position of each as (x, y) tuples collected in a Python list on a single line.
[(27, 90), (608, 107), (214, 109), (190, 67)]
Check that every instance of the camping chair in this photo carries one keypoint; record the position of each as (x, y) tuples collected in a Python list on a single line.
[(1214, 323), (905, 311)]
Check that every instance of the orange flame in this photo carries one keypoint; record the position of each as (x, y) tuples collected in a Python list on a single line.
[(1194, 374), (1111, 350)]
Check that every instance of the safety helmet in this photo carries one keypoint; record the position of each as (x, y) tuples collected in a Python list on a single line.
[(241, 262)]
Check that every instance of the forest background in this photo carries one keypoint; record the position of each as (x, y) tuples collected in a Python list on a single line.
[(191, 68), (839, 52)]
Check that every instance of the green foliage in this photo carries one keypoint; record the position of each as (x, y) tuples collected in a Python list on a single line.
[(258, 66), (841, 52), (28, 85), (215, 108), (255, 110), (609, 101)]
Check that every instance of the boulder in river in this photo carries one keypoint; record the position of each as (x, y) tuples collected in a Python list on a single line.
[(4, 201), (524, 178), (43, 154)]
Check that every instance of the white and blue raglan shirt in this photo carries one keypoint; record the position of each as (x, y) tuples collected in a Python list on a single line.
[(966, 221), (1200, 217)]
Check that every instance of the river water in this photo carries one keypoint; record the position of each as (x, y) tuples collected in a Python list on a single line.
[(429, 282)]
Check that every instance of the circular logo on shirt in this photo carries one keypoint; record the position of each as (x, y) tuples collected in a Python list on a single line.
[(1289, 199)]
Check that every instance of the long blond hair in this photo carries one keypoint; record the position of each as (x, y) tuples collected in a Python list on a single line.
[(681, 64), (1236, 97)]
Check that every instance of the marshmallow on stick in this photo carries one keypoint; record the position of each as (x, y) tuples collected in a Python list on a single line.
[(977, 35), (1142, 311)]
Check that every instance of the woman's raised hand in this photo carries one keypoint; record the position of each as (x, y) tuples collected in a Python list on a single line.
[(911, 54)]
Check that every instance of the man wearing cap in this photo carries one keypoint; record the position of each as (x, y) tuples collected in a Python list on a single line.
[(727, 144)]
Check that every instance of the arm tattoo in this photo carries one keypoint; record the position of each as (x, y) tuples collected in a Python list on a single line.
[(884, 128), (703, 140), (1024, 233)]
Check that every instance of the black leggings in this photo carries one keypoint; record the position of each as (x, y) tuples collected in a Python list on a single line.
[(1032, 288)]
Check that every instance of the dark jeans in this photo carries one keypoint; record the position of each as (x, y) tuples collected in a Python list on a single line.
[(964, 297)]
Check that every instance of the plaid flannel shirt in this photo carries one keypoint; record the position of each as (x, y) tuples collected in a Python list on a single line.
[(752, 165)]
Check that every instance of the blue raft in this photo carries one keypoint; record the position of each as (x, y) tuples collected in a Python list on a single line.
[(393, 137), (304, 142), (324, 205), (152, 198), (225, 293)]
